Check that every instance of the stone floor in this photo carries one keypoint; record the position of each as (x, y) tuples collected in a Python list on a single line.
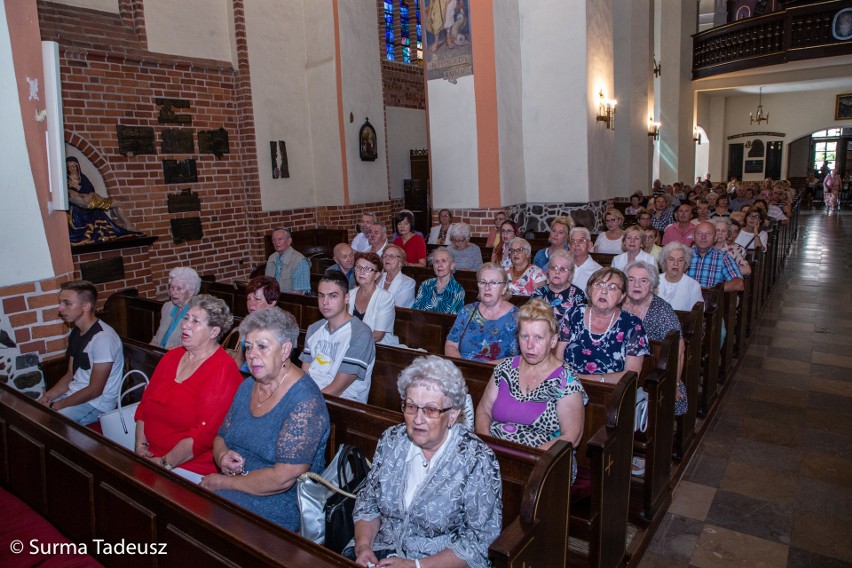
[(771, 482)]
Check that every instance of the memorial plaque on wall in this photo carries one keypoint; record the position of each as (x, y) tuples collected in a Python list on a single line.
[(188, 229), (134, 140), (180, 171), (186, 200), (100, 271), (168, 114), (213, 142), (177, 141), (754, 166)]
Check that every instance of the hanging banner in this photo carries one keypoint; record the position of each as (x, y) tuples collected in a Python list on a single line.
[(448, 46)]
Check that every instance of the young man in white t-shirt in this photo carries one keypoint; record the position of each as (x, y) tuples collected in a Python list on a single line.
[(339, 350), (91, 385)]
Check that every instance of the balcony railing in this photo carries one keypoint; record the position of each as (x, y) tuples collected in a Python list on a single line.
[(803, 32)]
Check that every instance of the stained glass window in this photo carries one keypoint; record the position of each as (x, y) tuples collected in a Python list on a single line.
[(419, 32), (404, 31), (389, 54)]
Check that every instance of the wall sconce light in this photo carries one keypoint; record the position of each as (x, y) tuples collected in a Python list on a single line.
[(696, 136), (658, 68), (606, 111), (653, 128)]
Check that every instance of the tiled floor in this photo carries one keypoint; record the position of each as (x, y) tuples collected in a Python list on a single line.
[(771, 483)]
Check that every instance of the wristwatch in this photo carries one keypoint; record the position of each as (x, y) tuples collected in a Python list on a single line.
[(165, 464)]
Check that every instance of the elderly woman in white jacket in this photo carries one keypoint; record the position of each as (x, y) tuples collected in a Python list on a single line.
[(393, 280)]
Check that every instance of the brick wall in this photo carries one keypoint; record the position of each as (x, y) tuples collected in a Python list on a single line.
[(31, 310)]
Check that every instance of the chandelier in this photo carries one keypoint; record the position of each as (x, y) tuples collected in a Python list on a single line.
[(759, 116)]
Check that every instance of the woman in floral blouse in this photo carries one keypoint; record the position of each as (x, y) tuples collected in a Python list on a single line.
[(485, 330), (601, 341), (525, 276)]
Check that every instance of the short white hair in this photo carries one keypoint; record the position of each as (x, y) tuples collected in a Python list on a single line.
[(188, 276), (435, 371)]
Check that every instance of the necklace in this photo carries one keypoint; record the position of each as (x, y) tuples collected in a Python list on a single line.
[(261, 402), (600, 336)]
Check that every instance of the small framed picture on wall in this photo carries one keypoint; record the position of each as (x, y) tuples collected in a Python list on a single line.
[(843, 109)]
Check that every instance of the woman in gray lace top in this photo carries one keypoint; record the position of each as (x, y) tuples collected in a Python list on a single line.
[(433, 496)]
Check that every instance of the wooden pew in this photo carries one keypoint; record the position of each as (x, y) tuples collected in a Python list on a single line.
[(535, 494), (601, 512), (710, 353), (729, 320), (90, 489), (691, 325), (523, 502), (650, 493), (602, 258)]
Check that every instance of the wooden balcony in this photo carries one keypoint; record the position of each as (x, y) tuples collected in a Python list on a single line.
[(797, 33)]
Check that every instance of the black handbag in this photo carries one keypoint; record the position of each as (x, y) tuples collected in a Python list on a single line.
[(352, 468)]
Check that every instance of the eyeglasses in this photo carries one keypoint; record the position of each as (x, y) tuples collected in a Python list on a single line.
[(560, 269), (607, 286), (396, 256), (579, 241), (507, 231), (489, 283), (367, 269), (430, 412), (457, 241), (642, 281), (513, 251)]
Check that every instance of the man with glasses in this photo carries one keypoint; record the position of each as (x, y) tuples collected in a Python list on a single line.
[(339, 350), (580, 244)]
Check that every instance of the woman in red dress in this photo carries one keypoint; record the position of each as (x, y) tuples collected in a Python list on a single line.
[(190, 392)]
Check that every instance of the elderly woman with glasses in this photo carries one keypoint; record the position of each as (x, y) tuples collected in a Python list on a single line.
[(485, 330), (184, 283), (467, 255), (439, 234), (508, 231), (277, 426), (676, 287), (443, 293), (525, 277), (371, 304), (433, 496), (656, 314), (559, 292), (533, 399), (609, 242), (601, 341), (560, 228), (752, 236), (393, 280)]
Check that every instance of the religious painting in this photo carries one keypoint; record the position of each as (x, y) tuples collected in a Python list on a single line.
[(367, 142), (278, 153), (448, 47), (841, 25), (843, 109)]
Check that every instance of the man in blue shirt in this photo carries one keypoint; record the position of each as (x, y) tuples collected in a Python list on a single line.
[(287, 265)]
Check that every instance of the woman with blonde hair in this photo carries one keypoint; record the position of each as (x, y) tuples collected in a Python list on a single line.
[(533, 398), (609, 242)]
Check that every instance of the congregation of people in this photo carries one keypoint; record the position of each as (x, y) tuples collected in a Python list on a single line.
[(247, 423)]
